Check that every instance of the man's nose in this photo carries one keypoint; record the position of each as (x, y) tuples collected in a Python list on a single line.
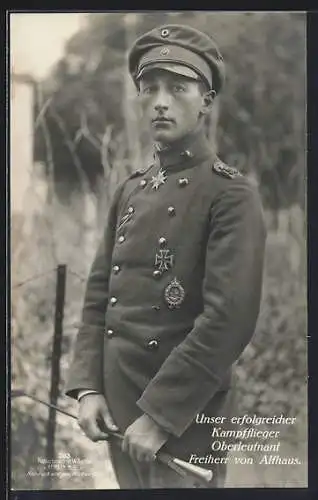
[(162, 101)]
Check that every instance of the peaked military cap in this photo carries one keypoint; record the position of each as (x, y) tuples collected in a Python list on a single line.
[(180, 49)]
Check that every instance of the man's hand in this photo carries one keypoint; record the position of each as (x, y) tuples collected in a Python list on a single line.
[(143, 439), (94, 417)]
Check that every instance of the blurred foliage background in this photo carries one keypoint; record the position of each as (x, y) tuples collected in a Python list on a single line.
[(88, 135)]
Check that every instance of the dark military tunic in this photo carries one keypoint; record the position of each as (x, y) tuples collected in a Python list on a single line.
[(173, 295)]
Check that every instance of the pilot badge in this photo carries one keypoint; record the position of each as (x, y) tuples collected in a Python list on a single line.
[(174, 294)]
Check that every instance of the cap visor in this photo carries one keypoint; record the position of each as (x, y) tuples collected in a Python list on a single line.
[(178, 69)]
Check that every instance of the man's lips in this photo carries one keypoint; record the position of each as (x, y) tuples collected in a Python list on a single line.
[(159, 121)]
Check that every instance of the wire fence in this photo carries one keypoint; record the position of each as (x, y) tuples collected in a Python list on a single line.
[(61, 271)]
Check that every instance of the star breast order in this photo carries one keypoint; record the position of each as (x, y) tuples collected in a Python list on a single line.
[(159, 179)]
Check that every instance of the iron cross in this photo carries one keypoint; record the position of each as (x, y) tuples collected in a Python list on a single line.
[(164, 260)]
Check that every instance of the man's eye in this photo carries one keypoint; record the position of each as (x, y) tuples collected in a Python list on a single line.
[(179, 88), (149, 89)]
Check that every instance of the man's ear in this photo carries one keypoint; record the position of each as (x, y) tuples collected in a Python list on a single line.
[(208, 98)]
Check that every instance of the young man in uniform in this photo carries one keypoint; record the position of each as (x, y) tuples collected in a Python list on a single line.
[(174, 292)]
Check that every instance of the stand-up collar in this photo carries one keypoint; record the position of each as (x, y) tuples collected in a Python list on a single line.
[(188, 151)]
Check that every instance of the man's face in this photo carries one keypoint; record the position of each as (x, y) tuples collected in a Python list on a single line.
[(171, 104)]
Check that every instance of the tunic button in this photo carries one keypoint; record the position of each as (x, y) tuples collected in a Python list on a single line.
[(143, 183), (162, 241), (165, 32), (121, 239), (153, 344), (110, 333), (171, 211), (188, 153), (130, 210), (156, 273), (116, 269), (183, 182), (113, 301)]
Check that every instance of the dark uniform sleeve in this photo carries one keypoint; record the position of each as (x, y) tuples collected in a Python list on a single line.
[(87, 365), (194, 370)]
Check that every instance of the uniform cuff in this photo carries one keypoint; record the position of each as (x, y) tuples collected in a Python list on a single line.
[(167, 399), (85, 392)]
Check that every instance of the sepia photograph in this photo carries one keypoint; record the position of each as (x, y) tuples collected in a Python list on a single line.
[(158, 250)]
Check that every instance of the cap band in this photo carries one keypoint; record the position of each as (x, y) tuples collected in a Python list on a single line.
[(177, 55)]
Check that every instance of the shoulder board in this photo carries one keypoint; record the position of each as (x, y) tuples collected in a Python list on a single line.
[(222, 169), (140, 171)]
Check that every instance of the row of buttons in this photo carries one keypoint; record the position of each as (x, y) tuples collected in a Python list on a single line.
[(162, 243), (116, 268), (114, 300), (171, 212), (156, 273), (184, 181), (151, 344)]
